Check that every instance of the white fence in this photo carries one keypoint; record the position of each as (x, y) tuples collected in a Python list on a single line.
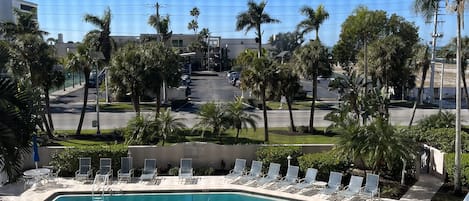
[(202, 154)]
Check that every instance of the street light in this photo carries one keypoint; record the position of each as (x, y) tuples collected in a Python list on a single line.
[(95, 56)]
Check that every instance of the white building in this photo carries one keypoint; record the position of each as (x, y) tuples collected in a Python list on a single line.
[(7, 8)]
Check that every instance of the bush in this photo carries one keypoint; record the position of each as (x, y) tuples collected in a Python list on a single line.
[(67, 160), (440, 120), (278, 154), (325, 162), (449, 165), (204, 171), (174, 171), (441, 138)]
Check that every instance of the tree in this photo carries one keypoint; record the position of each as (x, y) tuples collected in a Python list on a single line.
[(359, 29), (102, 34), (258, 77), (288, 83), (168, 124), (312, 60), (17, 124), (82, 62), (26, 23), (253, 18), (161, 25), (161, 66), (212, 116), (127, 72), (194, 24), (288, 41), (238, 118), (313, 20), (422, 62)]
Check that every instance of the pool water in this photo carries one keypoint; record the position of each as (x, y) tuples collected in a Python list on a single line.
[(170, 197)]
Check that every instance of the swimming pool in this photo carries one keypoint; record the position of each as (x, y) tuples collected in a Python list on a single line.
[(215, 196)]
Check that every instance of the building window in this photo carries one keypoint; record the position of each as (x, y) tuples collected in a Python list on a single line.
[(26, 7), (177, 43)]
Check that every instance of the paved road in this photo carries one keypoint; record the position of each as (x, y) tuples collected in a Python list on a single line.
[(211, 86), (276, 118)]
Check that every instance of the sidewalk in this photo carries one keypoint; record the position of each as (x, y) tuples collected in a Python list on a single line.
[(423, 189), (62, 92)]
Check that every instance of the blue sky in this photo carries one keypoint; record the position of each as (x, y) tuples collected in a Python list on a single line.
[(130, 17)]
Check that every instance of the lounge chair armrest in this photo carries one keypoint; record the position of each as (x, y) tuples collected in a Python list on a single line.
[(131, 172)]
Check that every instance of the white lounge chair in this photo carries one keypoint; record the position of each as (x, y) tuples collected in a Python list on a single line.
[(308, 181), (272, 175), (371, 188), (126, 171), (353, 189), (467, 197), (105, 170), (254, 173), (290, 179), (149, 171), (238, 170), (333, 185), (185, 169), (84, 171)]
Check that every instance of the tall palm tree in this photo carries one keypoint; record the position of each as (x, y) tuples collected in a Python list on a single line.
[(238, 118), (253, 18), (313, 20), (82, 62), (168, 124), (422, 62), (194, 24), (102, 34), (312, 59), (162, 27), (16, 126), (258, 77)]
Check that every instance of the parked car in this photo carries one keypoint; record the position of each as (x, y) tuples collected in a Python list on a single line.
[(233, 77)]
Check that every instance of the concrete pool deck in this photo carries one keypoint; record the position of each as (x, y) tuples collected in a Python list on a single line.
[(14, 192)]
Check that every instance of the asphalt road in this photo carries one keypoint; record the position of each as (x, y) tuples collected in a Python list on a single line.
[(212, 86), (276, 118)]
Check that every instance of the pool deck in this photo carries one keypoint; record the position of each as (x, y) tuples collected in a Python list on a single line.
[(14, 192)]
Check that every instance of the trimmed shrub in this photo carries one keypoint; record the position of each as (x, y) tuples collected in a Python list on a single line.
[(441, 138), (278, 154), (203, 171), (449, 165), (439, 120), (67, 160), (325, 162), (174, 171)]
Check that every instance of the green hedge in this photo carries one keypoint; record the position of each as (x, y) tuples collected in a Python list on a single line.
[(278, 154), (449, 165), (440, 138), (325, 162), (67, 160)]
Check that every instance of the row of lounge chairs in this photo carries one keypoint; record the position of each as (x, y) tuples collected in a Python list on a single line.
[(105, 171), (291, 183)]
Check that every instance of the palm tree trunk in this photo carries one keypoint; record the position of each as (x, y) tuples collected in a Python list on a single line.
[(419, 94), (313, 102), (463, 76), (317, 33), (85, 101), (259, 44), (237, 135), (292, 124), (44, 120), (49, 116), (366, 65), (135, 101), (264, 109), (158, 102)]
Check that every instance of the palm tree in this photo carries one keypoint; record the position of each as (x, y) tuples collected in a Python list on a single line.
[(258, 77), (162, 27), (211, 115), (253, 18), (16, 126), (168, 124), (313, 20), (238, 118), (194, 24), (312, 59), (103, 41), (82, 62), (421, 62), (288, 84)]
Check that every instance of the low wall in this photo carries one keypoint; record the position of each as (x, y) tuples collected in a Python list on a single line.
[(437, 161), (202, 154)]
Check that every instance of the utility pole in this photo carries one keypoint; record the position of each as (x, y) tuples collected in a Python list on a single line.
[(435, 35)]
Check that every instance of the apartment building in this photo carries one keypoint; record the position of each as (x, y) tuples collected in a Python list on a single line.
[(7, 8)]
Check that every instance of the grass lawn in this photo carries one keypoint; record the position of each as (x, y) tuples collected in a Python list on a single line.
[(297, 105), (249, 136), (121, 107), (410, 104), (83, 132)]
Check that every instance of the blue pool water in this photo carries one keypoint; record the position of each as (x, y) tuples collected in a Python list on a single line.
[(171, 197)]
